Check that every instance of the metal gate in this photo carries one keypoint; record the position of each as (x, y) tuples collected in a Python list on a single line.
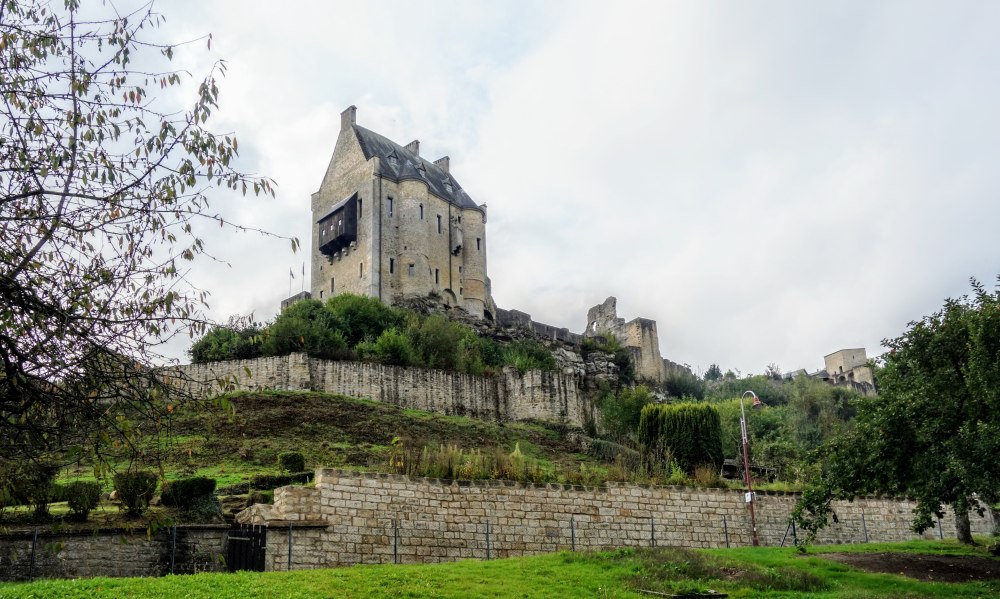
[(247, 547)]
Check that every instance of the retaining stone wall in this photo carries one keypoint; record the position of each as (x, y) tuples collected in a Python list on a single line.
[(78, 554), (508, 396), (437, 520)]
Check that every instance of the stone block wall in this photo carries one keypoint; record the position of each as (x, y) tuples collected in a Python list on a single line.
[(79, 554), (508, 396), (379, 518)]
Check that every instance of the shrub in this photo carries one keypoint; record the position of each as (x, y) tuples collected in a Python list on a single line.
[(684, 384), (268, 482), (184, 491), (305, 326), (291, 461), (528, 354), (608, 451), (436, 339), (83, 497), (237, 340), (358, 318), (691, 432), (135, 489), (34, 485), (620, 414), (393, 347)]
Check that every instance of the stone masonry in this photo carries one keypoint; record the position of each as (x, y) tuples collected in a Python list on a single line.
[(117, 552), (506, 397), (378, 518)]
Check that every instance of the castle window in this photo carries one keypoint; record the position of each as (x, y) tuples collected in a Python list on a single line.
[(411, 270), (439, 224), (459, 270), (361, 269), (392, 265), (421, 212), (320, 294), (478, 247), (460, 291), (437, 276), (388, 208), (333, 285), (359, 206)]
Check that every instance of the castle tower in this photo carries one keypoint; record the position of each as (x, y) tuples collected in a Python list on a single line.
[(389, 224)]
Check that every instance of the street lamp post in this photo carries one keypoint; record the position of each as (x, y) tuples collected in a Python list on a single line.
[(746, 459)]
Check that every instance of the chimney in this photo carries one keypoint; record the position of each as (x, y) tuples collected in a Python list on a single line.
[(443, 163), (413, 147), (348, 117)]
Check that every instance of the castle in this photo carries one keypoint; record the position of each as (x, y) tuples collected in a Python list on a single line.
[(389, 224)]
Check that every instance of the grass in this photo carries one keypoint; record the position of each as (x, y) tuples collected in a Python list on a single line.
[(744, 572)]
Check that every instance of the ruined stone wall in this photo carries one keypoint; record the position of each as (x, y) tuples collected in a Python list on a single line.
[(508, 396), (435, 520), (79, 554)]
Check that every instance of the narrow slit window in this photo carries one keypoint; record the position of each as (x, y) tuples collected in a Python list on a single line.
[(361, 269), (478, 244), (439, 224), (359, 206), (437, 276), (411, 270), (333, 285), (388, 207), (421, 212), (392, 265)]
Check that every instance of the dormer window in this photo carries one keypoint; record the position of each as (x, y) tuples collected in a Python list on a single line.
[(447, 185)]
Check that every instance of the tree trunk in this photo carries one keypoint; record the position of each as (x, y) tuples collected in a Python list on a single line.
[(963, 529)]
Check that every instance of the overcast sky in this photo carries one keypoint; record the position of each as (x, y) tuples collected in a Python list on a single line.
[(769, 181)]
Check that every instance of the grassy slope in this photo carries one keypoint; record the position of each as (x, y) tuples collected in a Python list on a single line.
[(331, 431), (748, 572)]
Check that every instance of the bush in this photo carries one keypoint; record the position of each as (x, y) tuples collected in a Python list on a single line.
[(359, 318), (528, 354), (393, 347), (684, 384), (34, 485), (608, 451), (620, 414), (234, 341), (691, 432), (291, 461), (268, 482), (83, 497), (135, 489), (184, 491), (305, 326)]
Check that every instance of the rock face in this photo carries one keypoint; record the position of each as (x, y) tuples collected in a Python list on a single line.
[(601, 370)]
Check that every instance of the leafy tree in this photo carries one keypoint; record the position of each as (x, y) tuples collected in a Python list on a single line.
[(234, 341), (691, 432), (361, 318), (713, 373), (305, 326), (101, 187), (933, 433), (684, 384), (620, 414)]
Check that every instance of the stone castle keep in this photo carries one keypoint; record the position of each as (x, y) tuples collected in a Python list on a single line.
[(389, 224)]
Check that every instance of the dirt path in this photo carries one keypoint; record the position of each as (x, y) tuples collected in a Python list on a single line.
[(939, 568)]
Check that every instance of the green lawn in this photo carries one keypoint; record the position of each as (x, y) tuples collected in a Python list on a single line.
[(745, 572)]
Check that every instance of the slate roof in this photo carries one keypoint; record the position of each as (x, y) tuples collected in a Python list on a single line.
[(399, 164)]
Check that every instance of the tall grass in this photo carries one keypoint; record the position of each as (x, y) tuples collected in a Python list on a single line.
[(452, 462)]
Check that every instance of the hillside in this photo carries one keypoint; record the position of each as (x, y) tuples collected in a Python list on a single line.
[(232, 445)]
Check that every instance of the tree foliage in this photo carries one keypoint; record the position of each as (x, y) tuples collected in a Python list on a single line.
[(691, 432), (103, 181), (933, 432)]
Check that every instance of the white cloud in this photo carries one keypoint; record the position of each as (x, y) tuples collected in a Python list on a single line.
[(770, 182)]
